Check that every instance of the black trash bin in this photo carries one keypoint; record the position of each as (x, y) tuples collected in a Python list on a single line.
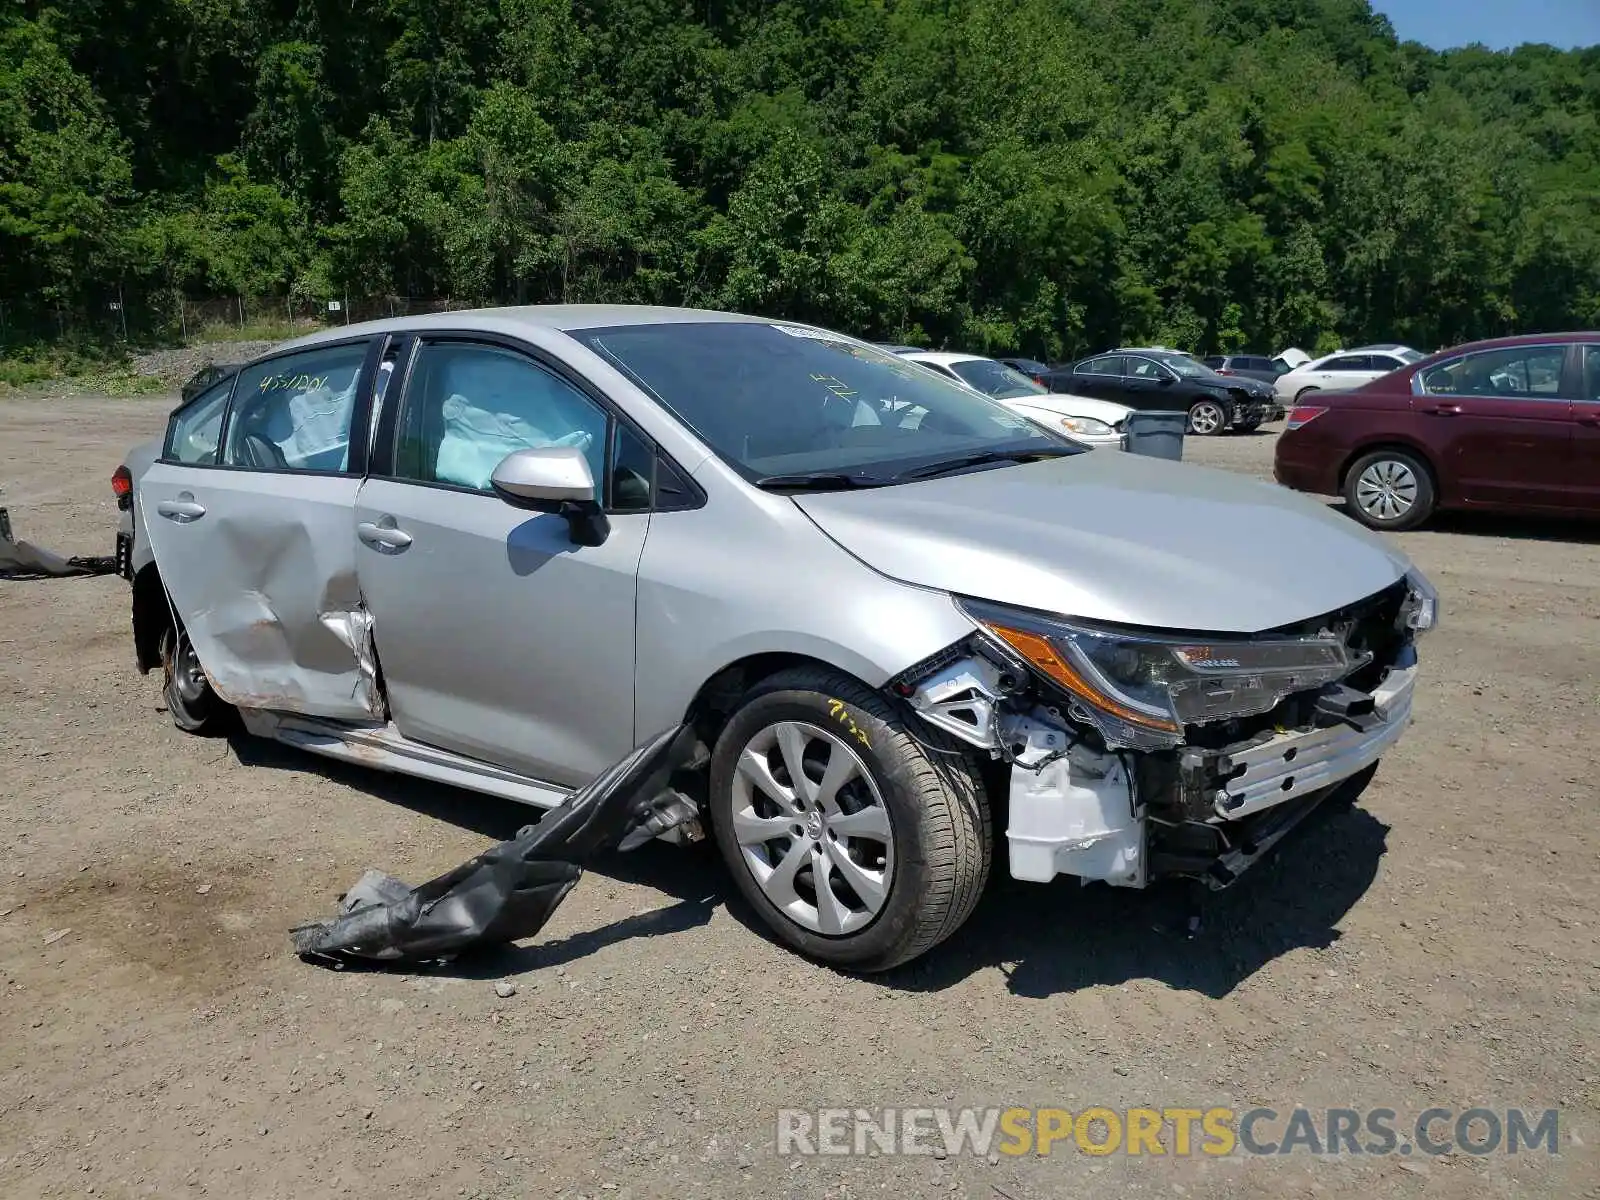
[(1156, 434)]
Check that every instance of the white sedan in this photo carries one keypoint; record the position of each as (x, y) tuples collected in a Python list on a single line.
[(1343, 370), (1097, 423)]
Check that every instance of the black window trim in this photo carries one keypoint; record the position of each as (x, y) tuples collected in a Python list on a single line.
[(360, 414), (386, 438)]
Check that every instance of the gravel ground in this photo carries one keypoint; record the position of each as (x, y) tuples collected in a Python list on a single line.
[(177, 365), (1436, 946)]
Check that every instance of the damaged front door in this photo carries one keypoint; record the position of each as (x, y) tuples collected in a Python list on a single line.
[(255, 537)]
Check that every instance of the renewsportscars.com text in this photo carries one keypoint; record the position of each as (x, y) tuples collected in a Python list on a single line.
[(1179, 1132)]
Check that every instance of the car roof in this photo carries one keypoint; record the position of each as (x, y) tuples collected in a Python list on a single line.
[(566, 318), (944, 357), (1523, 339), (1385, 348)]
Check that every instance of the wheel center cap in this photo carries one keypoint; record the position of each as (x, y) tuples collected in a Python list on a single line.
[(814, 825)]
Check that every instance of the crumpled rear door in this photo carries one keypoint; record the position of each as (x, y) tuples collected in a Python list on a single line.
[(261, 568)]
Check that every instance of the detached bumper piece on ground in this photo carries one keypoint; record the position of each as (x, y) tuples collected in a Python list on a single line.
[(509, 891), (20, 560)]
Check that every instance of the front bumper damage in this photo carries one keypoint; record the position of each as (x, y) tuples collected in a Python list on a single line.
[(1130, 818)]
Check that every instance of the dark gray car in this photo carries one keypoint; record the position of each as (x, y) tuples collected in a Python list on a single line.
[(1165, 380)]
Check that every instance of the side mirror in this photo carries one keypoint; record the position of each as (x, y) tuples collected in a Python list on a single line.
[(554, 479), (1167, 380)]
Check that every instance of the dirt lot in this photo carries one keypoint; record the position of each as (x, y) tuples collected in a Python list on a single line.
[(1437, 946)]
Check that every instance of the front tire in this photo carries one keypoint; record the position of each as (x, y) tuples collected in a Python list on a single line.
[(1207, 418), (860, 845), (1389, 490), (190, 701)]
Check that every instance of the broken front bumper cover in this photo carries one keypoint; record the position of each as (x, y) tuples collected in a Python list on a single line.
[(1284, 766), (509, 891), (1080, 813)]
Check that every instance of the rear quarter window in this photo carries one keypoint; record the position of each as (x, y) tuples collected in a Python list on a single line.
[(194, 430)]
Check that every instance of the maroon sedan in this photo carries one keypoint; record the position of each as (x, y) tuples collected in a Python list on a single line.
[(1511, 424)]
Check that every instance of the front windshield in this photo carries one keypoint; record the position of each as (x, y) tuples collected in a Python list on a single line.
[(996, 379), (780, 400)]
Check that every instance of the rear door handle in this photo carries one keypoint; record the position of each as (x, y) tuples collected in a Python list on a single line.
[(1444, 410), (383, 536), (182, 510)]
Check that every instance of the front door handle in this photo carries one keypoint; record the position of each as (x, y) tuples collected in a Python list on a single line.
[(182, 510), (1444, 410), (382, 535)]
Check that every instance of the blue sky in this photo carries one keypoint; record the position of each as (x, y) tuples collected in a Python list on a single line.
[(1498, 24)]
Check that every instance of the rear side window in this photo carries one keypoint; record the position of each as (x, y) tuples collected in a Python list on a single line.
[(1591, 373), (193, 432), (939, 367), (1348, 362), (1530, 372), (1110, 364), (294, 413)]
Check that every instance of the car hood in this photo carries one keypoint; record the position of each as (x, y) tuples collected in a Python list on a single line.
[(1118, 538), (1065, 405), (1248, 384)]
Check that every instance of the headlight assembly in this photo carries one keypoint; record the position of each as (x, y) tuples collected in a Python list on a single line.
[(1420, 611), (1086, 427), (1141, 688)]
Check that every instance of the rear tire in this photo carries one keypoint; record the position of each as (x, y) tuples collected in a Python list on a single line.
[(193, 705), (1389, 490), (880, 853)]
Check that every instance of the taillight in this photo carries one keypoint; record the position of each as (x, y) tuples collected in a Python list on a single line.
[(1303, 414), (1226, 371), (122, 487)]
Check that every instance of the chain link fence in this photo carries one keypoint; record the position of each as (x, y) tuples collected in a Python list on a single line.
[(151, 318)]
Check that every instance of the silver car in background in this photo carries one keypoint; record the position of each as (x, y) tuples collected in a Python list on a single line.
[(498, 549)]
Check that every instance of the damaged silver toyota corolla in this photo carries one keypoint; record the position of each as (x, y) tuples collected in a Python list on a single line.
[(499, 549)]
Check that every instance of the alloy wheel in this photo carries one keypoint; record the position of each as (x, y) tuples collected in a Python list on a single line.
[(1386, 490), (1205, 418), (812, 828)]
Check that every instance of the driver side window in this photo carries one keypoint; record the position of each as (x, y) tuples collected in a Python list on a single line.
[(468, 406), (1518, 372)]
